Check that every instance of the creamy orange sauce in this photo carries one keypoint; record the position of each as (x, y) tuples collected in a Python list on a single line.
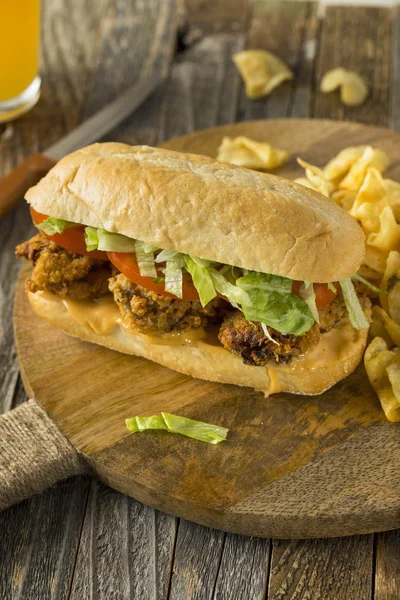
[(99, 315), (176, 338), (275, 385), (335, 345)]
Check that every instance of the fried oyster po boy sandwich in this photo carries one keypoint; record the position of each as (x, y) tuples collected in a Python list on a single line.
[(210, 269)]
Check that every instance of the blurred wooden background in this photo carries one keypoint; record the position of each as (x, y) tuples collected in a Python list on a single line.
[(81, 540)]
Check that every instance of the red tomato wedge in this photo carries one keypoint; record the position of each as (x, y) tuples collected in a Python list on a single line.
[(126, 263), (323, 295), (73, 238)]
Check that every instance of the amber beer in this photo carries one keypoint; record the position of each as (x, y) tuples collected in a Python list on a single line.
[(19, 56)]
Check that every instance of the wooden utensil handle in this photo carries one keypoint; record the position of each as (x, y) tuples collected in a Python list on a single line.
[(14, 185), (34, 454)]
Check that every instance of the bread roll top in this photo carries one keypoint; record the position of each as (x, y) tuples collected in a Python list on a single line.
[(199, 206)]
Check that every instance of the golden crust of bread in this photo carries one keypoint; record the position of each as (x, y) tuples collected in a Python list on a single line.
[(212, 362), (196, 205)]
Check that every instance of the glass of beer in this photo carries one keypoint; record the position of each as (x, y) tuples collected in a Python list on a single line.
[(19, 57)]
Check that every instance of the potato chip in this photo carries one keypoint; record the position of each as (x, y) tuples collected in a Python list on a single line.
[(261, 71), (368, 215), (341, 163), (388, 236), (393, 371), (393, 301), (353, 89), (251, 154), (344, 198), (304, 181), (372, 190), (369, 273), (317, 178), (378, 329), (370, 158), (392, 269), (375, 259), (391, 326), (383, 370), (392, 190)]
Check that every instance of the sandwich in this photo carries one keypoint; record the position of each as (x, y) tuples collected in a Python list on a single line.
[(211, 269)]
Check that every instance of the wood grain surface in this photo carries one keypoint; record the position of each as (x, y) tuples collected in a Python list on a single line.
[(293, 466), (74, 34)]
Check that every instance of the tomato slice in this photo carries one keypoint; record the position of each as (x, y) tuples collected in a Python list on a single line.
[(73, 238), (323, 295), (127, 264)]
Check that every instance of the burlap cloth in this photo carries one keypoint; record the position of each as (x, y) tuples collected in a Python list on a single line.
[(34, 454)]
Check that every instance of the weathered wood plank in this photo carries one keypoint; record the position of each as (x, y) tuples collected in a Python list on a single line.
[(359, 40), (321, 569), (203, 87), (125, 551), (140, 39), (13, 229), (71, 33), (243, 571), (289, 30), (394, 121), (387, 568), (208, 16), (39, 540), (197, 560)]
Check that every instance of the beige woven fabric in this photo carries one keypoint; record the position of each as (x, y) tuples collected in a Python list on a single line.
[(34, 454)]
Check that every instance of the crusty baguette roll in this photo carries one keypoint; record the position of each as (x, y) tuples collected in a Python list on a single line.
[(336, 356), (206, 208)]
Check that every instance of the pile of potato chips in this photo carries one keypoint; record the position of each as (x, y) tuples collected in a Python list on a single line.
[(353, 179)]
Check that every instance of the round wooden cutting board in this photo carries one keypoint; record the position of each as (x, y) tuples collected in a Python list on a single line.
[(292, 466)]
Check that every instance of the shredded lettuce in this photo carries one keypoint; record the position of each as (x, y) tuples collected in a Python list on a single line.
[(202, 280), (261, 297), (52, 225), (273, 303), (308, 295), (91, 238), (100, 239), (165, 255), (114, 242), (232, 273), (145, 259), (173, 275), (144, 423), (331, 286), (268, 335), (356, 313), (204, 432), (369, 285), (235, 295), (148, 248), (201, 262)]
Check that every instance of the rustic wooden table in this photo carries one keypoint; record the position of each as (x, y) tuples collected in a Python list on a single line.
[(82, 540)]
